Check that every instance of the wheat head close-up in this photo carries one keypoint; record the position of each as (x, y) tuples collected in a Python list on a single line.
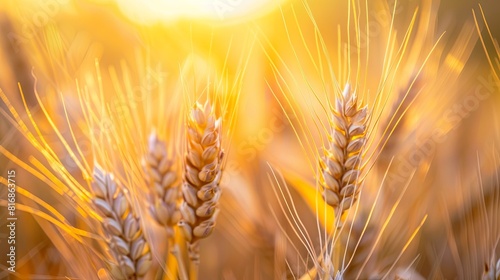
[(250, 139)]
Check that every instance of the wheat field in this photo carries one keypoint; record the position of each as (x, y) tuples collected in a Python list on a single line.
[(235, 139)]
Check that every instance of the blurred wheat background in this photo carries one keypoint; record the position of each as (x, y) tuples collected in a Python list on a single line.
[(234, 139)]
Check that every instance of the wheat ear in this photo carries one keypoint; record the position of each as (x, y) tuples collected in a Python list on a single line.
[(125, 238), (162, 181), (202, 174), (341, 162)]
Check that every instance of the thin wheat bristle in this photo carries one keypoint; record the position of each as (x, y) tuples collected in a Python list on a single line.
[(340, 165), (358, 245), (129, 248), (162, 181), (203, 171)]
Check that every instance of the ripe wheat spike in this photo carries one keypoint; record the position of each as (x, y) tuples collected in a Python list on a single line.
[(341, 162), (163, 183), (128, 246), (203, 171)]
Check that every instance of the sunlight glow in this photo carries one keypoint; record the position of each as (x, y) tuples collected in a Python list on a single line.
[(223, 11)]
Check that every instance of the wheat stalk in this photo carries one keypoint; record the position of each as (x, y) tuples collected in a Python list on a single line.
[(128, 246), (162, 181), (203, 170), (341, 162)]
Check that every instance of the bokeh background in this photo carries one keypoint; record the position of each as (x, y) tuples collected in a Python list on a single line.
[(55, 46)]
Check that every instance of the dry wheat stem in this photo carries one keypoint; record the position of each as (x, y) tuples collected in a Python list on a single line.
[(341, 162), (125, 237), (202, 174), (162, 181)]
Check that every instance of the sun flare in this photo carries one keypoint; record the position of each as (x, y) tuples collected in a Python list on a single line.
[(215, 10)]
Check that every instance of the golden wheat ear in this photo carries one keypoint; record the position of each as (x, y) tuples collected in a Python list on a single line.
[(341, 163), (202, 174), (128, 247), (163, 183)]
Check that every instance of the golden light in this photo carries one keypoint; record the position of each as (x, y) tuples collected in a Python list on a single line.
[(223, 11)]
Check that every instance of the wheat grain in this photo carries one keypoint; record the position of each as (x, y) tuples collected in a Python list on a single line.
[(162, 181), (400, 273), (341, 162), (203, 171), (128, 246), (492, 272)]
